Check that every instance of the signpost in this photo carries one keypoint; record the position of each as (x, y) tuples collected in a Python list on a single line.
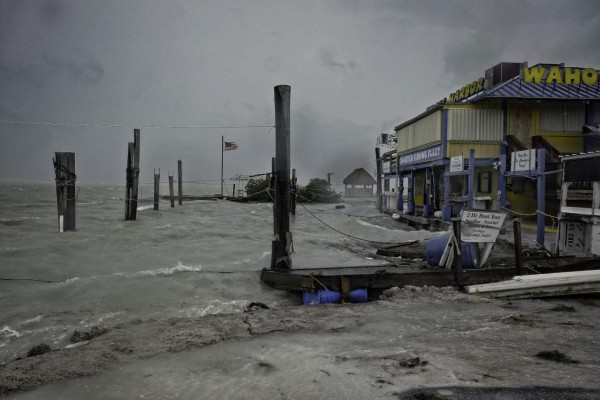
[(523, 160), (481, 227), (457, 164)]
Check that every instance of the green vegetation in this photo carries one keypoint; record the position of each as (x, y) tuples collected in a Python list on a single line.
[(256, 189), (317, 191)]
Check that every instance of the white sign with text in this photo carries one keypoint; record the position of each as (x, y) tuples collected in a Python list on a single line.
[(457, 164), (481, 226), (523, 160)]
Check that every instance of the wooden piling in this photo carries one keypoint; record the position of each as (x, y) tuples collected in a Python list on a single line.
[(179, 182), (379, 193), (64, 170), (171, 192), (128, 181), (294, 192), (233, 194), (132, 177), (280, 257), (518, 246), (458, 271), (156, 188)]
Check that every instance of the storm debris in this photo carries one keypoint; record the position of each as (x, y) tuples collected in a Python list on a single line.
[(557, 356), (562, 307), (38, 349), (81, 335), (410, 363)]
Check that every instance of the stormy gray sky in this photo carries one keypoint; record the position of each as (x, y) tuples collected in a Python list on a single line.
[(355, 68)]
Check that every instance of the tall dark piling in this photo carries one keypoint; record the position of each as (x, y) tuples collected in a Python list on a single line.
[(294, 192), (518, 246), (64, 170), (457, 263), (280, 257), (171, 192), (132, 177), (179, 182), (379, 191), (156, 188)]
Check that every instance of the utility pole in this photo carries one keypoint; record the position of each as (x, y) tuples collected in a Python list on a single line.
[(282, 243)]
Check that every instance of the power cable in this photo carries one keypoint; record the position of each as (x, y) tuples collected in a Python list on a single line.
[(91, 125)]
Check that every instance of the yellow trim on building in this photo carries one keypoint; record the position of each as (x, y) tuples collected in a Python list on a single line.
[(482, 150), (566, 144)]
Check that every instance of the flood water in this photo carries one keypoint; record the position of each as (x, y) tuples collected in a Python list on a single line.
[(200, 258)]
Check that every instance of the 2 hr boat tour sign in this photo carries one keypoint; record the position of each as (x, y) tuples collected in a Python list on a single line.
[(432, 153), (479, 226)]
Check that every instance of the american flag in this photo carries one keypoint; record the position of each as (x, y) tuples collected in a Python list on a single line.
[(229, 146)]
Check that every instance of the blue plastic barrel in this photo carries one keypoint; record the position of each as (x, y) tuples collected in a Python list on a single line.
[(435, 248), (358, 296), (329, 296), (310, 298)]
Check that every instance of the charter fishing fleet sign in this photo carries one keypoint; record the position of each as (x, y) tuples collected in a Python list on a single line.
[(429, 154), (481, 226)]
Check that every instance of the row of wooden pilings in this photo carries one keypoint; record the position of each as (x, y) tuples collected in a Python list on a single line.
[(282, 185), (65, 177)]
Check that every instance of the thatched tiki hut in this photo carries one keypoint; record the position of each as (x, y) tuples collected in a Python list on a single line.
[(359, 184)]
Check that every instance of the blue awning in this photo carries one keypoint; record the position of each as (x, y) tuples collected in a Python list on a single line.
[(516, 88)]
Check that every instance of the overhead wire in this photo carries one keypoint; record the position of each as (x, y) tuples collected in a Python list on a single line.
[(93, 125)]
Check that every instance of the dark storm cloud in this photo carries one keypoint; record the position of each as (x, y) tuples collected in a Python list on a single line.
[(49, 66), (321, 145), (469, 57), (51, 11), (328, 58), (355, 68), (88, 70)]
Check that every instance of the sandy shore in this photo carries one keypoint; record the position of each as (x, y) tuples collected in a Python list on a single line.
[(340, 351)]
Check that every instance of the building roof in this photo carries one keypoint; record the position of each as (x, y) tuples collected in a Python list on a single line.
[(359, 177), (516, 88)]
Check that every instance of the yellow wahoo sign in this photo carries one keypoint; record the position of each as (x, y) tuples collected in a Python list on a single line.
[(556, 74), (467, 90)]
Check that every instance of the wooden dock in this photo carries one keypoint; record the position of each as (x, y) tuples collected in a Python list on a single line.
[(381, 277)]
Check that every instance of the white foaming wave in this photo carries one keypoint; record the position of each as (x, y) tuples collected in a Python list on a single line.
[(145, 207), (365, 223), (18, 218), (266, 253), (100, 318), (28, 321), (163, 271), (91, 202), (7, 333), (164, 226), (216, 307), (71, 280)]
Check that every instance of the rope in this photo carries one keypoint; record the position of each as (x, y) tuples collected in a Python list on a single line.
[(91, 125), (555, 219), (343, 233)]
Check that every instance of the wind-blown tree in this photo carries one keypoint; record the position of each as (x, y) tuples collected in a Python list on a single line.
[(257, 189), (317, 191)]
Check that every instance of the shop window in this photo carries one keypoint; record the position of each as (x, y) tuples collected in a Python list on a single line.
[(484, 182), (457, 187), (518, 185)]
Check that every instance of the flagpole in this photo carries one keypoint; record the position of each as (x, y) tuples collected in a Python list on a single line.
[(222, 146)]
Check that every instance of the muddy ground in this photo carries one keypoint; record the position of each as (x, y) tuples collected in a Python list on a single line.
[(421, 343)]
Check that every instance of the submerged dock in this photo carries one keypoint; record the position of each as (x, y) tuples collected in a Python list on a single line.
[(380, 277)]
